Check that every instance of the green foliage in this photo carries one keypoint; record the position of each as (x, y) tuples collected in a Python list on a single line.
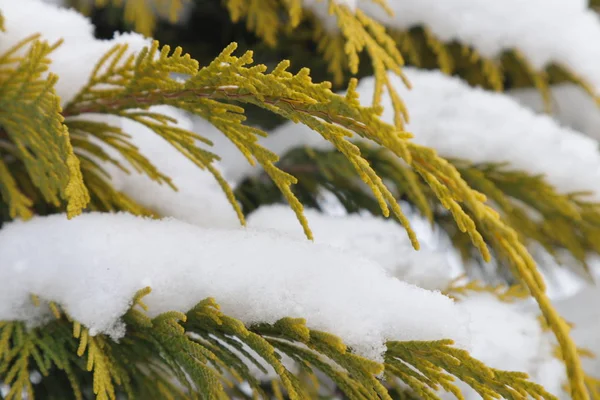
[(527, 203), (473, 216), (122, 84), (53, 165), (206, 354), (268, 19), (33, 132)]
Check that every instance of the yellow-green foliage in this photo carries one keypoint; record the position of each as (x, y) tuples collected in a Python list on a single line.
[(358, 33), (386, 48), (55, 168), (207, 354), (532, 207), (145, 80), (459, 289), (31, 120), (263, 17), (439, 182)]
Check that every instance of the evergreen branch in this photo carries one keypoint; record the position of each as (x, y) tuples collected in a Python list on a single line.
[(19, 204), (358, 33), (263, 17), (169, 352), (441, 361), (471, 215), (506, 240), (31, 120), (103, 195), (121, 85), (512, 69), (532, 207), (508, 294), (203, 352), (81, 132)]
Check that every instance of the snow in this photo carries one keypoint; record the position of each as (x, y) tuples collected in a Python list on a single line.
[(469, 123), (92, 266), (199, 199), (75, 59), (582, 310), (381, 240), (348, 283), (505, 336), (571, 106)]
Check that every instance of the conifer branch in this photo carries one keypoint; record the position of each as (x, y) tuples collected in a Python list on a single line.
[(423, 49), (188, 347), (362, 33), (30, 117), (121, 85), (471, 215), (531, 206), (263, 16), (208, 353)]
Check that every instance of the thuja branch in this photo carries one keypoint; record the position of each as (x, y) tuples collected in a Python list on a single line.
[(191, 96), (121, 85)]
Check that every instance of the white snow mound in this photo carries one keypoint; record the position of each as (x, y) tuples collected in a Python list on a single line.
[(94, 264)]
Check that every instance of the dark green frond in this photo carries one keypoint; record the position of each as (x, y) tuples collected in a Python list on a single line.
[(530, 205), (205, 354)]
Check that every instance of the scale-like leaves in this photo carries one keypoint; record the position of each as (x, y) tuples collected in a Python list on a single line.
[(206, 354), (554, 220), (32, 124), (189, 348), (124, 83)]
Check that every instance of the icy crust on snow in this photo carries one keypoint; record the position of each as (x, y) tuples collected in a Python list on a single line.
[(74, 60), (94, 264), (381, 240)]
